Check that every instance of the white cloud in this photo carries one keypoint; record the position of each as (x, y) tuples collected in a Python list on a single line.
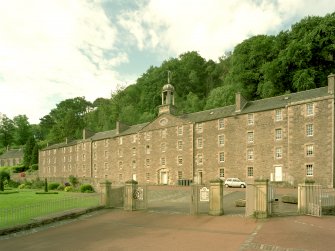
[(54, 49), (214, 26)]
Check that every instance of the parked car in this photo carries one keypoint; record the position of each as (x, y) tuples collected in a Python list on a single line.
[(234, 182)]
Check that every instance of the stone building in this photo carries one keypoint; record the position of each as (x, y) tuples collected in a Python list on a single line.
[(11, 157), (287, 138)]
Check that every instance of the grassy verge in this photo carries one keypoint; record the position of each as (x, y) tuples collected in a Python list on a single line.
[(23, 207)]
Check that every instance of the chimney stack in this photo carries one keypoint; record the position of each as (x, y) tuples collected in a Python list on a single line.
[(240, 102)]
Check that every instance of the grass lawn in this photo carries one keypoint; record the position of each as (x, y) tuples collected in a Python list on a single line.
[(22, 207)]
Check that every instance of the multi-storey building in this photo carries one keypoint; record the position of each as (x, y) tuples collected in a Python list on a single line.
[(285, 138), (11, 157)]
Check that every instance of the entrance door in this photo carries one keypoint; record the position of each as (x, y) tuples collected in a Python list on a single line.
[(278, 173), (164, 178)]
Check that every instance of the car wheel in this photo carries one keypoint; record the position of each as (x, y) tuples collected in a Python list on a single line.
[(226, 185), (242, 186)]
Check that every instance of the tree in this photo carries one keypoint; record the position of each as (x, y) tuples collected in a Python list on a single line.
[(4, 175), (28, 151), (7, 129), (23, 129)]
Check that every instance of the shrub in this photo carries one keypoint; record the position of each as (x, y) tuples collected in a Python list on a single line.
[(22, 186), (19, 169), (37, 184), (86, 188), (73, 180), (53, 185), (67, 184), (13, 184), (60, 188), (34, 167), (68, 189), (4, 175)]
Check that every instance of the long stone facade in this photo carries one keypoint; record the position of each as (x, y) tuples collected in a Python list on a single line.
[(288, 138)]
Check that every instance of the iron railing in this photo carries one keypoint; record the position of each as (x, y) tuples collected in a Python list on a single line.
[(26, 214)]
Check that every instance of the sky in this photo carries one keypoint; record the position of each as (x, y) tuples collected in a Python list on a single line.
[(52, 50)]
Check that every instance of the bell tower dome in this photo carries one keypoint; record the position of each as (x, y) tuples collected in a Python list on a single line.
[(167, 98)]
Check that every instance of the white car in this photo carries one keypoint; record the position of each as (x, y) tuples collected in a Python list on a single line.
[(234, 182)]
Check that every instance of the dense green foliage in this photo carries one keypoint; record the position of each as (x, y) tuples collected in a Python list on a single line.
[(259, 67)]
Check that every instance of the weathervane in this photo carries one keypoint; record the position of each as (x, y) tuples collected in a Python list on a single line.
[(169, 76)]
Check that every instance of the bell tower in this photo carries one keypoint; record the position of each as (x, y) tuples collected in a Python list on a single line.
[(167, 98)]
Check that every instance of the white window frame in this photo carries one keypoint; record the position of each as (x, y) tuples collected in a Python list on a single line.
[(163, 161), (163, 147), (278, 115), (200, 127), (221, 140), (221, 157), (250, 137), (309, 170), (120, 140), (250, 118), (250, 171), (309, 150), (309, 130), (200, 159), (221, 124), (180, 145), (180, 160), (278, 152), (309, 109), (278, 134), (200, 143), (180, 130), (250, 154), (221, 172)]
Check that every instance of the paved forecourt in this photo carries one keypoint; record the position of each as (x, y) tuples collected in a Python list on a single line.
[(121, 230)]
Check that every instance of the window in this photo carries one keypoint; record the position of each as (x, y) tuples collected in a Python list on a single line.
[(147, 176), (200, 159), (120, 164), (309, 150), (163, 161), (221, 140), (148, 135), (83, 167), (120, 177), (147, 162), (95, 144), (120, 152), (278, 152), (64, 159), (147, 149), (120, 140), (180, 145), (309, 109), (199, 127), (221, 157), (133, 164), (106, 154), (106, 142), (70, 149), (134, 151), (84, 157), (250, 171), (199, 143), (221, 174), (180, 130), (309, 170), (250, 154), (180, 160), (309, 130), (94, 155), (278, 134), (163, 133), (63, 151), (180, 175), (250, 119), (134, 138), (106, 166), (278, 116), (221, 123), (250, 137), (163, 147)]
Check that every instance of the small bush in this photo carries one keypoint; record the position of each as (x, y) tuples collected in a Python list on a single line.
[(60, 188), (73, 180), (13, 184), (53, 185), (19, 169), (86, 188), (68, 189), (34, 167), (22, 186), (37, 184), (67, 184)]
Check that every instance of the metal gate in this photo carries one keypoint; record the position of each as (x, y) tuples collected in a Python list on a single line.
[(283, 201)]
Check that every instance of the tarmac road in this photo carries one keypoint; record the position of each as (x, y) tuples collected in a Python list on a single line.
[(139, 230)]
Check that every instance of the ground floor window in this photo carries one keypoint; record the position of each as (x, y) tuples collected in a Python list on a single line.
[(147, 175), (180, 175), (250, 171)]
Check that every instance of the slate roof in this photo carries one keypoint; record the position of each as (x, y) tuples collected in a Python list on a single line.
[(11, 154), (221, 112)]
